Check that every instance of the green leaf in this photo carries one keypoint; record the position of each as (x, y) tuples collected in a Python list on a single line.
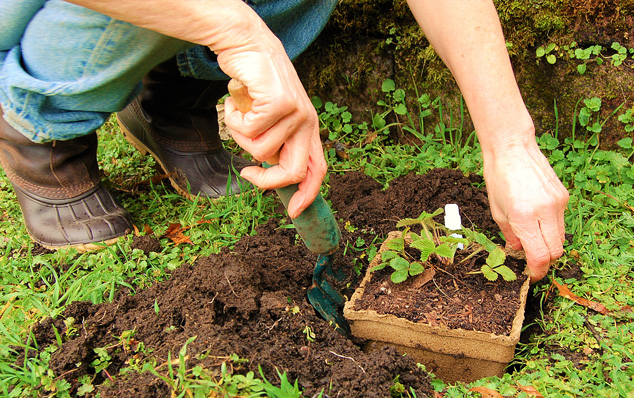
[(378, 267), (397, 244), (388, 85), (420, 220), (594, 103), (399, 95), (399, 276), (407, 221), (506, 273), (540, 52), (400, 109), (595, 128), (425, 246), (399, 263), (424, 101), (625, 143), (551, 59), (316, 101), (482, 240), (583, 54), (416, 268), (627, 117), (452, 240), (85, 389), (496, 257), (378, 122), (388, 255), (581, 69), (444, 250), (489, 273), (584, 116)]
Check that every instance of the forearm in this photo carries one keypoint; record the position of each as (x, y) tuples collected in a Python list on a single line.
[(218, 24), (468, 37)]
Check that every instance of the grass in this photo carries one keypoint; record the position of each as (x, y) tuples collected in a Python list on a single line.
[(573, 351)]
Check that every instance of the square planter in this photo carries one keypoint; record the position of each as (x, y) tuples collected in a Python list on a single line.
[(452, 354)]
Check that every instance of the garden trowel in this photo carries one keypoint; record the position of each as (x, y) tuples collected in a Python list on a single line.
[(319, 230)]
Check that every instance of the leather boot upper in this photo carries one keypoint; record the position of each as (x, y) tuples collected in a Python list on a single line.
[(59, 191), (175, 120)]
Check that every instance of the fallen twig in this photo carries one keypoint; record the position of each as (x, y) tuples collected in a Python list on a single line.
[(345, 357)]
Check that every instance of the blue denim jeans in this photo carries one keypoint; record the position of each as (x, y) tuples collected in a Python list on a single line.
[(64, 69)]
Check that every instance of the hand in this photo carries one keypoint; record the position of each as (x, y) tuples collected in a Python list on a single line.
[(281, 120), (528, 202)]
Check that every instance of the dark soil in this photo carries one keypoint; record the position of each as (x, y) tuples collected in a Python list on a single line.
[(241, 301)]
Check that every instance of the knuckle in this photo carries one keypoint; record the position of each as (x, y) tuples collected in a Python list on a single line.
[(321, 170), (297, 175), (565, 196), (540, 258), (286, 104), (556, 252), (258, 154)]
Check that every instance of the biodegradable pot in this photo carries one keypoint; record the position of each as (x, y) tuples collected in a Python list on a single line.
[(452, 354)]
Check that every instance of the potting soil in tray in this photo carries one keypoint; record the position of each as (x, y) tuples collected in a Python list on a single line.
[(251, 301), (452, 298)]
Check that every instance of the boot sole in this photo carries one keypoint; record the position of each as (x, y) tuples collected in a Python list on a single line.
[(82, 247), (139, 146)]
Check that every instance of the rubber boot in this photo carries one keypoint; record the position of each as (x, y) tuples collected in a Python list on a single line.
[(174, 119), (59, 191)]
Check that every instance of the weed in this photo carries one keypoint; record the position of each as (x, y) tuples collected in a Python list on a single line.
[(616, 54), (103, 359), (310, 335), (285, 390)]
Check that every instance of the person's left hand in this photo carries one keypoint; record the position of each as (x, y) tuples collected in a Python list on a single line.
[(528, 202)]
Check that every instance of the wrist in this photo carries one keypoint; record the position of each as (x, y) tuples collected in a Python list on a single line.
[(508, 141), (235, 25)]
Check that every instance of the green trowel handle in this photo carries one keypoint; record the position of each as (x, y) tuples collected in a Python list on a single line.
[(316, 225)]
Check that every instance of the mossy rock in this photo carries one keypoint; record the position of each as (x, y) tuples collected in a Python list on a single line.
[(368, 41)]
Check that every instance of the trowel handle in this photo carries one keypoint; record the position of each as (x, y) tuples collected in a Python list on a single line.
[(316, 225)]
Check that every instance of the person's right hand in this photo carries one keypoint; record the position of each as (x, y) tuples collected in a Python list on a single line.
[(282, 118)]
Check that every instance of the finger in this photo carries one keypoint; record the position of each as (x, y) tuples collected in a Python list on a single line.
[(264, 115), (560, 219), (271, 178), (309, 188), (305, 196), (552, 237), (249, 124), (261, 148), (512, 241), (538, 256)]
